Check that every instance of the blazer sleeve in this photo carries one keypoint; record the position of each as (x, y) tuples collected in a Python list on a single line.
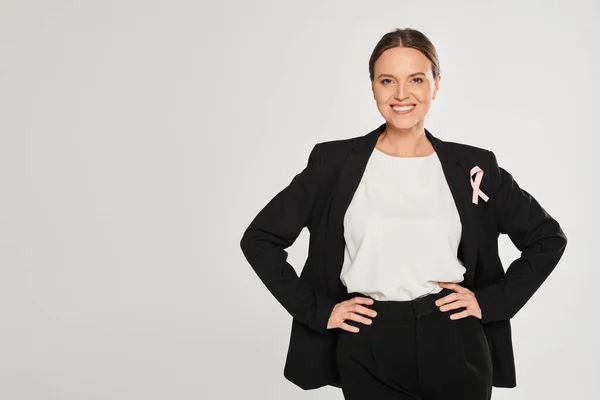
[(534, 232), (274, 229)]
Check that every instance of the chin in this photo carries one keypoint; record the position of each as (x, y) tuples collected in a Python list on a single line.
[(406, 123)]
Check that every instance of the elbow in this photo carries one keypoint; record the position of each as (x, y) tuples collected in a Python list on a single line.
[(242, 243), (556, 240), (561, 238), (564, 242), (550, 244), (557, 244), (245, 241), (252, 241), (564, 238)]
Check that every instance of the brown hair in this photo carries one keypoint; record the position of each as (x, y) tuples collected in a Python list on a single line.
[(405, 38)]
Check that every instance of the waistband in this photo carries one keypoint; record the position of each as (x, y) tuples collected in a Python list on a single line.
[(410, 309)]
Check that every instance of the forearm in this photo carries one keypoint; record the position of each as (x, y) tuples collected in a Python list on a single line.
[(300, 300), (523, 277)]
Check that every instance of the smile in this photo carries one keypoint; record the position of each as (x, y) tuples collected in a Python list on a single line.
[(403, 109)]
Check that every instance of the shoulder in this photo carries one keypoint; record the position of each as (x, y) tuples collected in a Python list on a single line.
[(470, 151), (330, 156), (332, 153), (338, 146), (481, 157)]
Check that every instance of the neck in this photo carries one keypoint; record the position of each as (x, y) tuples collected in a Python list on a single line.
[(405, 142)]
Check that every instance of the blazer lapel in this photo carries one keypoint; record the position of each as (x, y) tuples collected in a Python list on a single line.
[(456, 170)]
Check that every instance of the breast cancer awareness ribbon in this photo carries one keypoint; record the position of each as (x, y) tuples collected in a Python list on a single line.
[(475, 184)]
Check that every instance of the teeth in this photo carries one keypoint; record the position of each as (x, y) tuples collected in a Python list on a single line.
[(404, 108)]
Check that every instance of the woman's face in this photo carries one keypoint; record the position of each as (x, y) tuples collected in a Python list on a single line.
[(403, 76)]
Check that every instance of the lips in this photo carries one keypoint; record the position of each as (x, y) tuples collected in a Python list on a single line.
[(397, 110)]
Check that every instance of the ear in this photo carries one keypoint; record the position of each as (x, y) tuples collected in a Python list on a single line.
[(436, 86)]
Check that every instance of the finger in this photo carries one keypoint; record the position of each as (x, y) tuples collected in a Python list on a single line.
[(360, 309), (362, 300), (454, 305), (454, 286), (447, 299), (358, 318), (349, 328), (468, 297), (461, 315)]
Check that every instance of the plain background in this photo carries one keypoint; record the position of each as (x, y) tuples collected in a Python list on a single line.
[(139, 139)]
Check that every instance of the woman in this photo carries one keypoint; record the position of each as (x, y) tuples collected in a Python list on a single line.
[(403, 295)]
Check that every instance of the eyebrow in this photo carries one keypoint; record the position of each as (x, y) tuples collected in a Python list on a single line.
[(392, 76)]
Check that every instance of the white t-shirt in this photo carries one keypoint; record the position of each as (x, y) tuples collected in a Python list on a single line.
[(402, 230)]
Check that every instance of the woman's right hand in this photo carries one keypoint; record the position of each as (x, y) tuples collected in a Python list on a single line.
[(351, 310)]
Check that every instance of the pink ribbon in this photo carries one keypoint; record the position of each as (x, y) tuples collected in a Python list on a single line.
[(475, 184)]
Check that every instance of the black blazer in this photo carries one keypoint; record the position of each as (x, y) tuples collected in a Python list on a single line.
[(317, 198)]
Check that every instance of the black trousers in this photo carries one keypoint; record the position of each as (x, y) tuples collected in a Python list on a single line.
[(412, 350)]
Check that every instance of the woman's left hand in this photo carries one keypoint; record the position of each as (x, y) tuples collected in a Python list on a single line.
[(462, 297)]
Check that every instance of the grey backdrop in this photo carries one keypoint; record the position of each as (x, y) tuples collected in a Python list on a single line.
[(139, 138)]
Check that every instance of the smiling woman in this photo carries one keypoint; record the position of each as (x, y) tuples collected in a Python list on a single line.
[(405, 85), (403, 295), (405, 80)]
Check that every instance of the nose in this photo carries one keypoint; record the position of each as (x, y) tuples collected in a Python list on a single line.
[(401, 92)]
